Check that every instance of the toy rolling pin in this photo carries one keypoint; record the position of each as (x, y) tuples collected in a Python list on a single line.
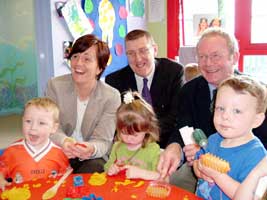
[(214, 162), (207, 159)]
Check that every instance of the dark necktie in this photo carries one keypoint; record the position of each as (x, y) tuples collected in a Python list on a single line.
[(213, 100), (145, 92)]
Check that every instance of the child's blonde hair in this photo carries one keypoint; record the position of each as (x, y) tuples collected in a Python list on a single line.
[(46, 103), (136, 115), (191, 71), (244, 84)]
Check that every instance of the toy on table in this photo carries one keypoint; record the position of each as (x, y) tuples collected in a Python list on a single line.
[(97, 179), (18, 193), (78, 181), (158, 189), (51, 192), (72, 140), (80, 144), (92, 197)]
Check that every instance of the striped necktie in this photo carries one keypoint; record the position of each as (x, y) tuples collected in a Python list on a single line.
[(213, 100)]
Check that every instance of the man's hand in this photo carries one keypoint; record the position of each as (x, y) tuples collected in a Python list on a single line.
[(169, 160), (190, 151)]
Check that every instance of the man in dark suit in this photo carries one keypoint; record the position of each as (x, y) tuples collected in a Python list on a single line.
[(217, 53), (164, 78)]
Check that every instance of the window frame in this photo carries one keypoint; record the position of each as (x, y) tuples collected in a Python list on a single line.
[(243, 9), (243, 12)]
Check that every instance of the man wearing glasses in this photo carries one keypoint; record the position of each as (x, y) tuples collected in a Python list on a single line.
[(158, 79)]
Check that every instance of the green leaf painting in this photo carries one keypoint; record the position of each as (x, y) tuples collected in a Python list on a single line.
[(138, 8)]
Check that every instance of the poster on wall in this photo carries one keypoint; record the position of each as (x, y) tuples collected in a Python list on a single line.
[(76, 19), (137, 16), (203, 21), (109, 20)]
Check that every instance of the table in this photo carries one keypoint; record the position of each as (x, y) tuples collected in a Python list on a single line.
[(116, 187)]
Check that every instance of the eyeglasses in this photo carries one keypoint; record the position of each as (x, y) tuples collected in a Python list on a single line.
[(214, 57), (142, 52)]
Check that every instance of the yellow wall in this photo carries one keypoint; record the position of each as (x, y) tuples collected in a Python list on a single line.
[(159, 32)]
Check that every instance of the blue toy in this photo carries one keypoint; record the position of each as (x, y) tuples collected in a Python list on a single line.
[(92, 197), (78, 181)]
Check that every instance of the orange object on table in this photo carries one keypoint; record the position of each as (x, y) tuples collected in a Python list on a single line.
[(114, 187)]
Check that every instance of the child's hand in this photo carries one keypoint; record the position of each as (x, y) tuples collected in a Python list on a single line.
[(113, 170), (3, 182), (208, 174), (132, 171)]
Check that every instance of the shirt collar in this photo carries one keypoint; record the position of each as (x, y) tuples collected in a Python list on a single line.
[(211, 88), (139, 79)]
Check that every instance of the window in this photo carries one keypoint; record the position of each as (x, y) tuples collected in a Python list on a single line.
[(252, 37), (245, 18), (197, 15), (258, 20)]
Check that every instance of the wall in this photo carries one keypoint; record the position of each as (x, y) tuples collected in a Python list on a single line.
[(18, 71), (159, 31), (60, 33), (51, 31), (53, 28)]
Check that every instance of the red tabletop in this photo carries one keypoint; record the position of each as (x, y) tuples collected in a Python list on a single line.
[(116, 187)]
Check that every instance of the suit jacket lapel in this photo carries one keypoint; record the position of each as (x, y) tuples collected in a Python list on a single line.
[(156, 82), (70, 97), (202, 100)]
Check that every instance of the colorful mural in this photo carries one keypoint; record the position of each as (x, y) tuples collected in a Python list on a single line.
[(18, 65), (109, 21)]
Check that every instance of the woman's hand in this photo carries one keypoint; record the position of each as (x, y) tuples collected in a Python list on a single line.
[(84, 150), (81, 150), (68, 146)]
